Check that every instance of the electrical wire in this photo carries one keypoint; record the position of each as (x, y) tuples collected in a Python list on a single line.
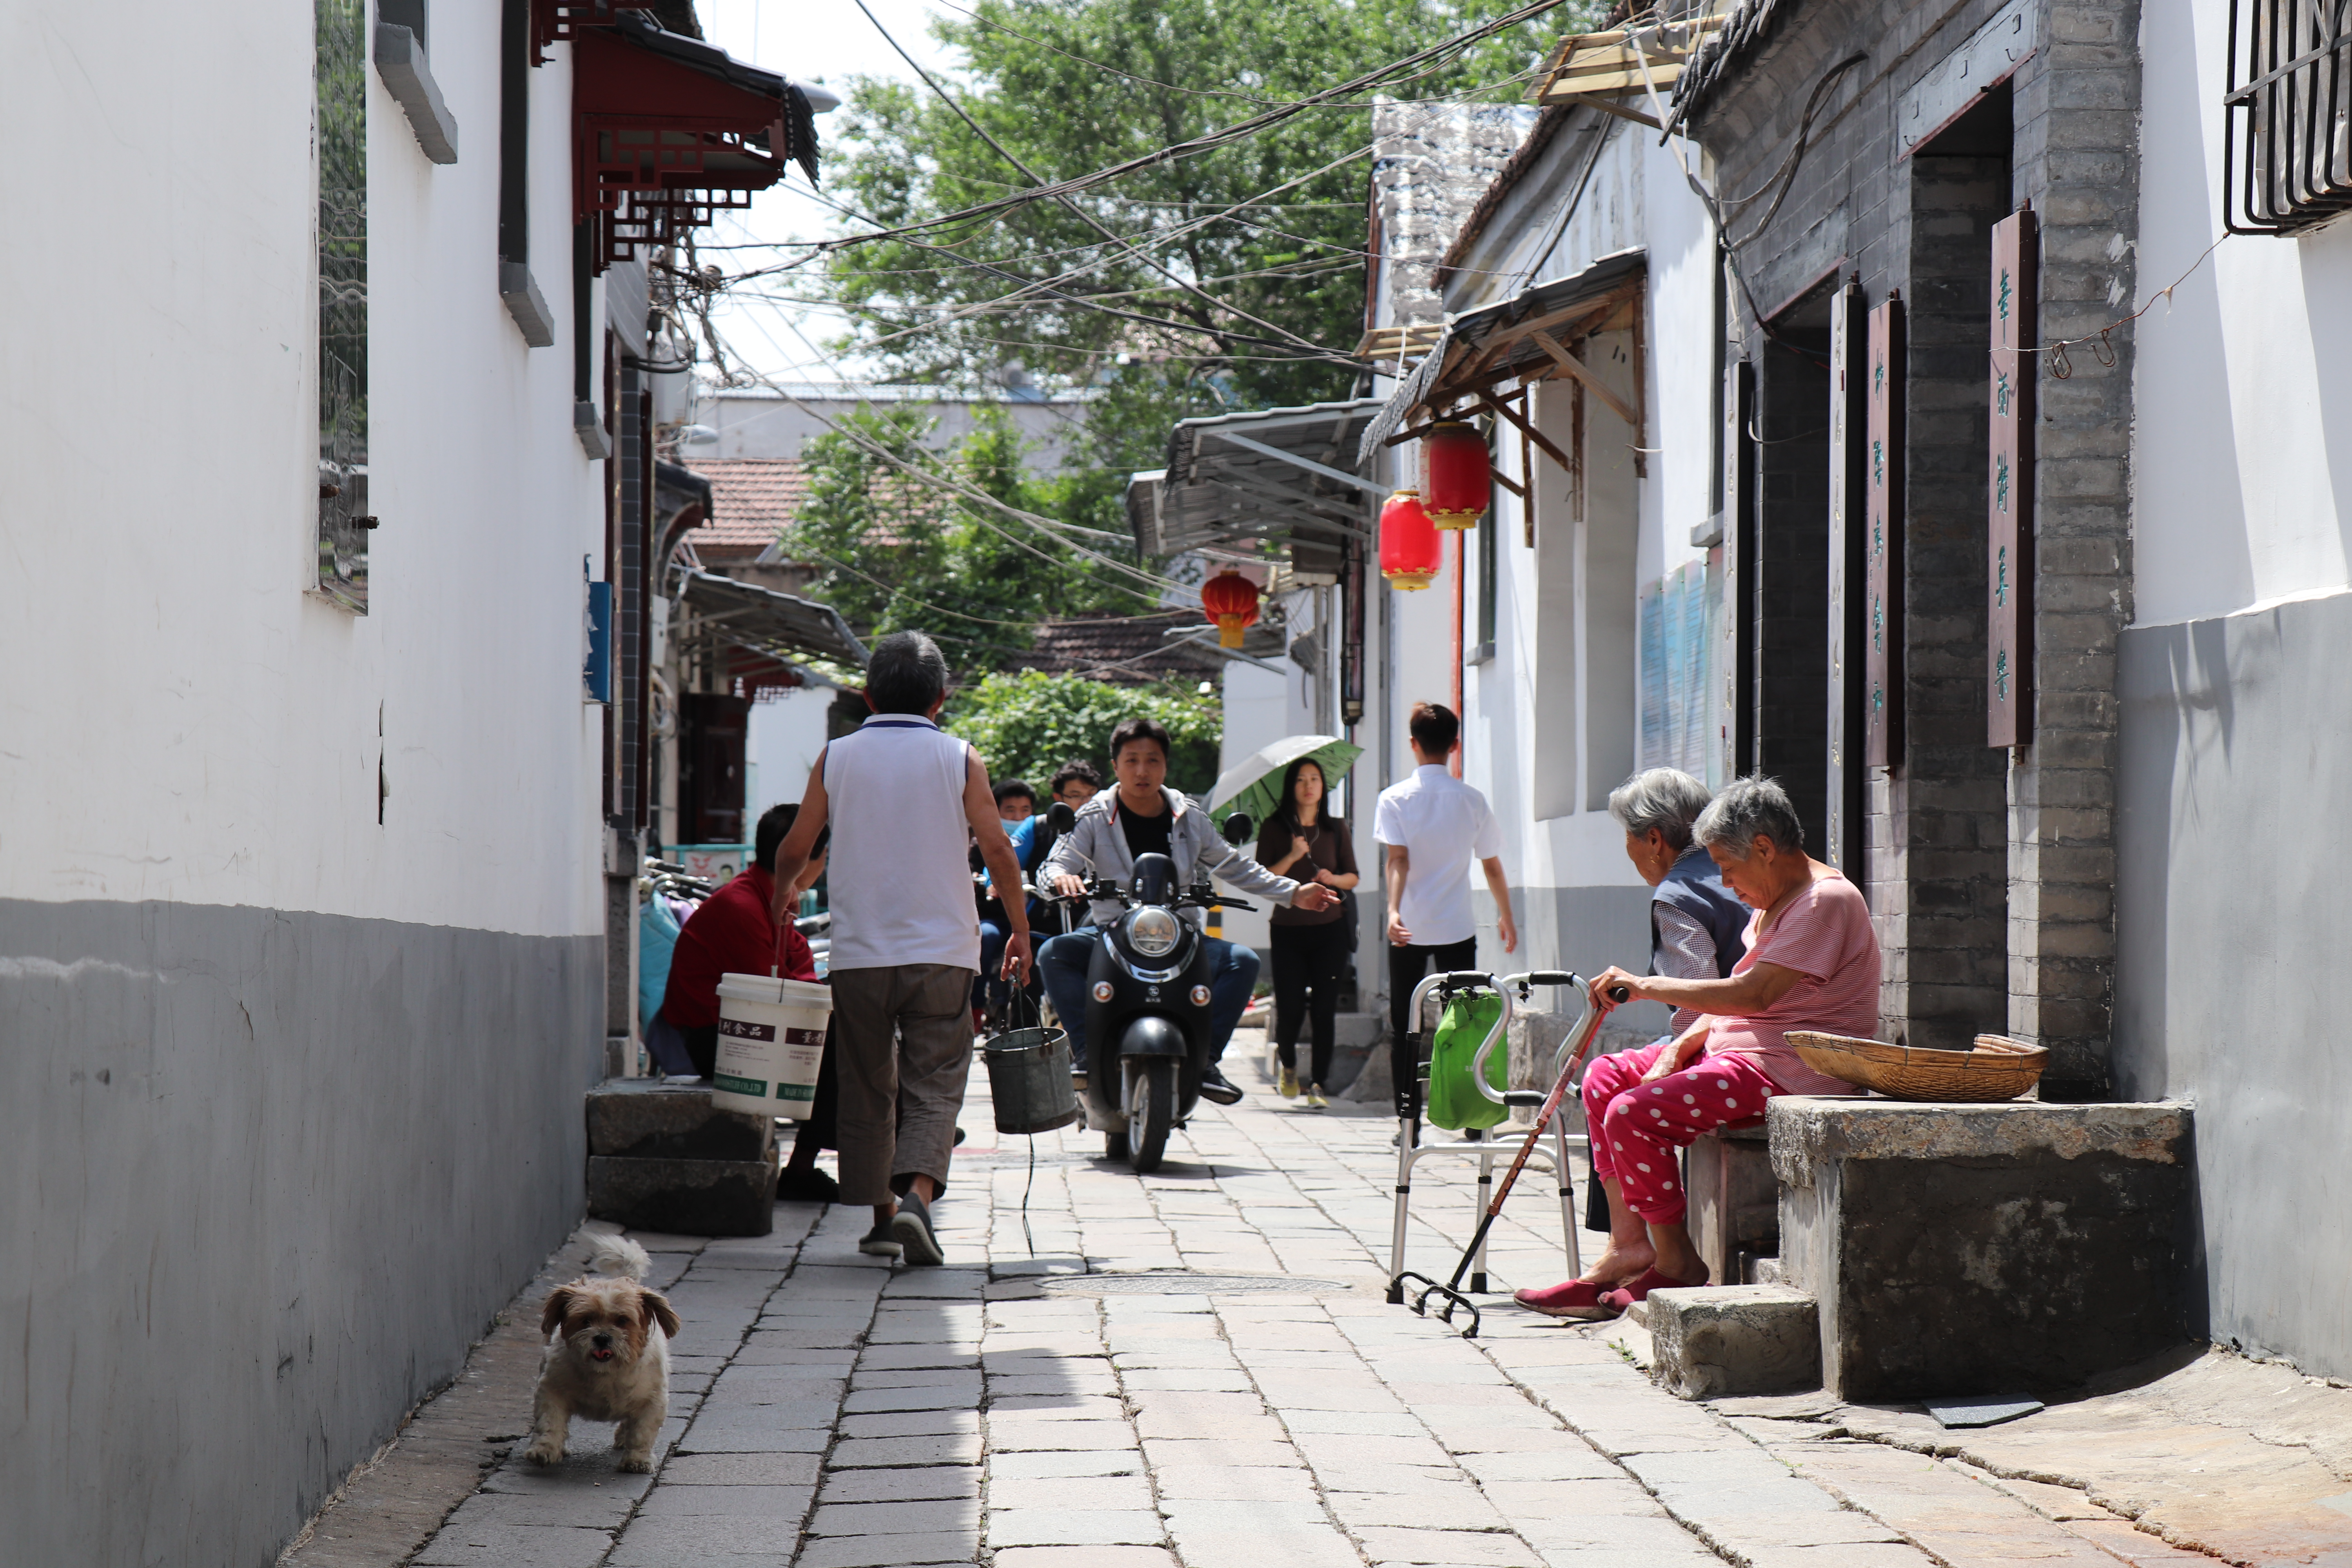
[(1432, 58)]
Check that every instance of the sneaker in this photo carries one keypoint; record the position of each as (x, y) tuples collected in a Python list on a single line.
[(912, 1226), (809, 1186), (1285, 1083), (1216, 1090), (1315, 1100), (878, 1242)]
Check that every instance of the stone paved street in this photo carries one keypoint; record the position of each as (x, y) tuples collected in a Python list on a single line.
[(1026, 1406)]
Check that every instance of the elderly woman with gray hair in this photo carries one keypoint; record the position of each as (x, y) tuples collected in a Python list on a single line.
[(1811, 962)]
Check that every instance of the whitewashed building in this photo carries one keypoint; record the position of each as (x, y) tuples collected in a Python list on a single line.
[(321, 709)]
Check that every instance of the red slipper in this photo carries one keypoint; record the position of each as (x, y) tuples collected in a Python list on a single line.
[(1579, 1298), (1626, 1296)]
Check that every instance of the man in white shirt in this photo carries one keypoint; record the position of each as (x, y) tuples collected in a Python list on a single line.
[(903, 800), (1430, 826)]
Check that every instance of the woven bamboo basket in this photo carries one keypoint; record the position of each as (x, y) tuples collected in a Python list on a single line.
[(1996, 1068)]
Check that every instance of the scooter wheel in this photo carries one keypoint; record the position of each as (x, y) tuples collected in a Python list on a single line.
[(1151, 1113), (1115, 1143)]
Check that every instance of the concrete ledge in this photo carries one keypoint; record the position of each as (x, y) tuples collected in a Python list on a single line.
[(685, 1197), (2010, 1248), (1807, 1130), (651, 1119), (402, 64), (1723, 1339)]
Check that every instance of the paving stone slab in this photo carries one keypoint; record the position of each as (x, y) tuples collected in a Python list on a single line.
[(910, 1423), (888, 1550), (951, 1449), (1048, 1463), (741, 1471), (1015, 1433), (1085, 1557), (921, 1481), (1485, 1549), (1459, 1508), (516, 1546), (1125, 1493), (756, 1440), (1073, 1527), (721, 1503), (588, 1508), (904, 1516)]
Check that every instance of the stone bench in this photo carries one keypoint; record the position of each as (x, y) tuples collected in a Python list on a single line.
[(660, 1157), (2010, 1248)]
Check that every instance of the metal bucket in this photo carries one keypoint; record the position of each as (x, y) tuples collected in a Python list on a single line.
[(1029, 1080)]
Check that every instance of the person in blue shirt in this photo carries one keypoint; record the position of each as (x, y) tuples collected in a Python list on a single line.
[(1016, 808)]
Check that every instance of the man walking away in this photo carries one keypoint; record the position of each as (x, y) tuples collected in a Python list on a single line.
[(903, 801), (1431, 825)]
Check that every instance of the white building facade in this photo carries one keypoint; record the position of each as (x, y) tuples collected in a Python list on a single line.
[(311, 845)]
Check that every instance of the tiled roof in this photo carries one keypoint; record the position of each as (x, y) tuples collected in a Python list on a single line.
[(1108, 645), (756, 499), (759, 497)]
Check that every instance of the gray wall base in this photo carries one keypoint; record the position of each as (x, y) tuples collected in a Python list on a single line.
[(267, 1175)]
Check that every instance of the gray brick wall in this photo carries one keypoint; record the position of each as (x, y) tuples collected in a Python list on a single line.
[(1959, 820)]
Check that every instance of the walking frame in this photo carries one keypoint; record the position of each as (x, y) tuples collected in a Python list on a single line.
[(1410, 1151)]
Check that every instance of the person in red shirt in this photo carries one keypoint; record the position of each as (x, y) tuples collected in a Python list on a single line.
[(734, 933)]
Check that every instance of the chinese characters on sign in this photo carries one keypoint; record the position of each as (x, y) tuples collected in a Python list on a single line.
[(1882, 539), (2009, 493)]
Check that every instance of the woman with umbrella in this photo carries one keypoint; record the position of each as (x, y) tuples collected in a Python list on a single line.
[(1304, 842)]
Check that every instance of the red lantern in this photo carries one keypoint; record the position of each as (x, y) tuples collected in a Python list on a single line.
[(1231, 601), (1409, 554), (1458, 474)]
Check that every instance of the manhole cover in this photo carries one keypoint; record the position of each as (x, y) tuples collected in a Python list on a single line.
[(1170, 1281)]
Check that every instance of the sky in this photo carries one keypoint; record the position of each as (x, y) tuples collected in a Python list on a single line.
[(828, 42)]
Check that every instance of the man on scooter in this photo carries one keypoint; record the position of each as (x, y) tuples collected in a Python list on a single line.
[(1143, 816)]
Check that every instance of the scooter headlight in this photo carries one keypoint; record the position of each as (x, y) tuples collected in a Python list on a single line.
[(1153, 932)]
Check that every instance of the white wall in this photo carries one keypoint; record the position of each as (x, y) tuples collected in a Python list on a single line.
[(182, 721), (2242, 446), (785, 737), (1262, 707)]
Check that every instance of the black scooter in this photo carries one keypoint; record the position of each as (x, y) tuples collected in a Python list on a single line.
[(1147, 1034)]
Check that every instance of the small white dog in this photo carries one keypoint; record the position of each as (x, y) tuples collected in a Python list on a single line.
[(607, 1357)]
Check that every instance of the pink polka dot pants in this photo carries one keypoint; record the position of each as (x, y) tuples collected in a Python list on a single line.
[(1639, 1129)]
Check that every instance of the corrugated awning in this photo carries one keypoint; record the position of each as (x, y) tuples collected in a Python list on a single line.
[(1525, 338), (1283, 477), (780, 624)]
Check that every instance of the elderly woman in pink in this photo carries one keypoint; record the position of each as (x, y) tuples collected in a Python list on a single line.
[(1811, 963)]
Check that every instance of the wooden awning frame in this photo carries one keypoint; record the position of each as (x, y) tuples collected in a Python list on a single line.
[(1605, 70), (1488, 358)]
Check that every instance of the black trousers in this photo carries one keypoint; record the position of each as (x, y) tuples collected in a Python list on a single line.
[(702, 1045), (1407, 966), (1310, 961)]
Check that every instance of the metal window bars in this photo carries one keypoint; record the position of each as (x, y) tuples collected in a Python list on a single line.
[(2287, 118)]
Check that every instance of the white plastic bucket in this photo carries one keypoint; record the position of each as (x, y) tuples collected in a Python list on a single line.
[(771, 1044)]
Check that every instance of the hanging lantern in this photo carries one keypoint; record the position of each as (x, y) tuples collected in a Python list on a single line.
[(1457, 473), (1409, 554), (1231, 601)]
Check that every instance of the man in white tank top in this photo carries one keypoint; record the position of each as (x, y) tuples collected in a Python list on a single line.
[(904, 801)]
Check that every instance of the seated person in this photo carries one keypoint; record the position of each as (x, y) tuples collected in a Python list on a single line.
[(1811, 962), (1143, 816), (1696, 923), (734, 933), (1016, 808)]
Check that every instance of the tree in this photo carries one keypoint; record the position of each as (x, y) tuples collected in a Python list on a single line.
[(1025, 726), (896, 552), (1068, 86)]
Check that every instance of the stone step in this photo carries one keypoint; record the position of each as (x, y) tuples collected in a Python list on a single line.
[(1716, 1341), (684, 1197), (663, 1119)]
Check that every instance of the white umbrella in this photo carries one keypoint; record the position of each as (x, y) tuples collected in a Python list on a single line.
[(1255, 783)]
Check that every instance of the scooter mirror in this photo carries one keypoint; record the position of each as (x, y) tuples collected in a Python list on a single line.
[(1060, 818), (1239, 828)]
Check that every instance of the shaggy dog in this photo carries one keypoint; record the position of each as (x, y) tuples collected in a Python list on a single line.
[(607, 1357)]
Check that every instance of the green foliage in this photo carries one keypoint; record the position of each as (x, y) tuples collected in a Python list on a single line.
[(1026, 725), (1042, 77), (898, 554)]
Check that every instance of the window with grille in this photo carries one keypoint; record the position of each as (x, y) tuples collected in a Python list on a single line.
[(2288, 117)]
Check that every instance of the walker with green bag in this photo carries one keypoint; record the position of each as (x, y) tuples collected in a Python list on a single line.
[(1466, 1089)]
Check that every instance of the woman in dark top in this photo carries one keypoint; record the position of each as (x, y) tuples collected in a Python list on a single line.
[(1310, 947)]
